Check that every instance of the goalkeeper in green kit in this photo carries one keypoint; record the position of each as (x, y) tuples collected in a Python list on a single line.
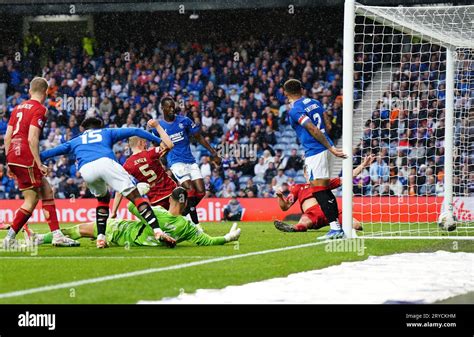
[(122, 232)]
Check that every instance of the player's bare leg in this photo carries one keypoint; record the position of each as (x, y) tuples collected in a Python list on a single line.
[(31, 198), (302, 226), (147, 213), (49, 211)]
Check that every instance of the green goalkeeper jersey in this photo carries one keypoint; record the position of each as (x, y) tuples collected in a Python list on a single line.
[(139, 233)]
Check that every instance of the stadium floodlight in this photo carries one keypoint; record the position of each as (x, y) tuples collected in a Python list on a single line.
[(409, 97)]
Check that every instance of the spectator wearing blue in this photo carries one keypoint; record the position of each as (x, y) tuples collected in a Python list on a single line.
[(233, 210), (379, 171)]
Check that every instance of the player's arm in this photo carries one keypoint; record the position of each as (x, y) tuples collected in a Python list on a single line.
[(124, 133), (59, 150), (202, 239), (284, 203), (33, 140), (214, 156), (134, 210), (366, 162), (117, 200), (336, 182), (165, 139), (320, 137), (8, 137)]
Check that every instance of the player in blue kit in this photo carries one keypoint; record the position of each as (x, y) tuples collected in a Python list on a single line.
[(98, 167), (306, 116), (180, 159)]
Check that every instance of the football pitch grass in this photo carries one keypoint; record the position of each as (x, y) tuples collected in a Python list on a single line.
[(130, 274)]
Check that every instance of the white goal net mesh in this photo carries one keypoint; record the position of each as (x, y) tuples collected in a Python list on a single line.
[(399, 115)]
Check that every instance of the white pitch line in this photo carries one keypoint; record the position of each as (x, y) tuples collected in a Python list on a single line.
[(101, 257), (150, 271)]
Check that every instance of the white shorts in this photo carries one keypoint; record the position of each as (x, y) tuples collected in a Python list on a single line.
[(317, 166), (104, 172), (184, 172)]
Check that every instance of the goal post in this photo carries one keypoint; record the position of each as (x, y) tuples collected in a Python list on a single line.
[(408, 98)]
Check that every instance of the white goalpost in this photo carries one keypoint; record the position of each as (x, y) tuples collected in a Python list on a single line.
[(408, 88)]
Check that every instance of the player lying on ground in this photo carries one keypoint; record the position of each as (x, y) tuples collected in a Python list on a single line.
[(313, 217), (139, 233), (22, 147), (99, 168), (307, 117), (180, 159)]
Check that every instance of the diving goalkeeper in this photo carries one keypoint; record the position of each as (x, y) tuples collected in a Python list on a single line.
[(138, 233)]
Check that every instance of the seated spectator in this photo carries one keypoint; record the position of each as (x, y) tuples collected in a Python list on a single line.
[(279, 179), (206, 168), (379, 171), (233, 210), (270, 173), (294, 161), (260, 167)]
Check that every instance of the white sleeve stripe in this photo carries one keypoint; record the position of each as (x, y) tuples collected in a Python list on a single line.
[(303, 119)]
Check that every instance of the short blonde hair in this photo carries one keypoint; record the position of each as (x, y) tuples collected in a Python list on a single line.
[(134, 141), (39, 85)]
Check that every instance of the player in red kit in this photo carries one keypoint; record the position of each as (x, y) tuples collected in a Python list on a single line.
[(23, 159), (145, 166), (313, 216)]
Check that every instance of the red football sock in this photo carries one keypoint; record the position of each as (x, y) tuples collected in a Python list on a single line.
[(49, 210), (21, 218), (300, 227), (198, 197)]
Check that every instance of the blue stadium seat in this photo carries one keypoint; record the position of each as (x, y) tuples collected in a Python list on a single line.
[(300, 180), (258, 180), (244, 179)]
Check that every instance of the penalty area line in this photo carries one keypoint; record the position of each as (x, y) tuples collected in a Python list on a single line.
[(151, 271)]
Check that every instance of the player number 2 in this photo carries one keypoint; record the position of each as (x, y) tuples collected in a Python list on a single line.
[(317, 119), (19, 117), (92, 137), (148, 173)]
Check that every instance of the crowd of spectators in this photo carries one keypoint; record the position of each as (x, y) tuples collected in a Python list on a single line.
[(233, 90), (407, 128)]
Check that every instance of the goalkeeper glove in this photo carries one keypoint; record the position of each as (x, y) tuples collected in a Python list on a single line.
[(233, 234)]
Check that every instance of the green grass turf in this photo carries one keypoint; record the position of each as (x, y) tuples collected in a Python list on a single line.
[(20, 270)]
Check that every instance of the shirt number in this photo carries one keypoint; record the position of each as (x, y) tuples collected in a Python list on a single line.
[(91, 137), (148, 173), (19, 115), (317, 119)]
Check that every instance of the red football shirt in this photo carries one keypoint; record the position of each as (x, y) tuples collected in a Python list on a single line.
[(28, 113), (145, 166), (301, 192)]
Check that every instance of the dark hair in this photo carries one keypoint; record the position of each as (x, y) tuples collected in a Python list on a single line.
[(92, 123), (180, 194), (293, 87), (167, 98)]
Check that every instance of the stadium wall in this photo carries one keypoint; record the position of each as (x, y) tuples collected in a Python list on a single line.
[(382, 209)]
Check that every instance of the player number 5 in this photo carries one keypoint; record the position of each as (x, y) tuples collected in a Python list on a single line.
[(148, 173)]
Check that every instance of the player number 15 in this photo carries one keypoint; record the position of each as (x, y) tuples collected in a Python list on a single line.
[(91, 137)]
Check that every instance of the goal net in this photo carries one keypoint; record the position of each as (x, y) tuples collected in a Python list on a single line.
[(412, 78)]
